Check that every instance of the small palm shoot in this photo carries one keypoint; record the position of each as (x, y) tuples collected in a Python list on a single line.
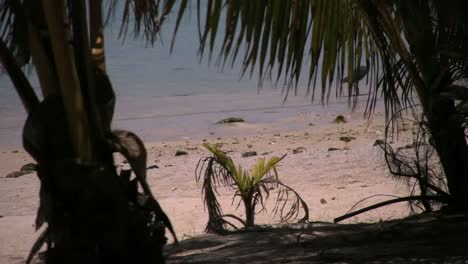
[(251, 187)]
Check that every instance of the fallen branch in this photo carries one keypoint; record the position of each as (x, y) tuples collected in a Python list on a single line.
[(381, 204)]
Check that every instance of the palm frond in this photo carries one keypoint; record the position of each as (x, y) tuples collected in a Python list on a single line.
[(289, 208), (13, 30), (213, 175), (146, 16), (280, 38)]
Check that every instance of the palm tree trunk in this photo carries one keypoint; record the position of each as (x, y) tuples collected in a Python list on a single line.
[(446, 127), (68, 78), (450, 142), (249, 213)]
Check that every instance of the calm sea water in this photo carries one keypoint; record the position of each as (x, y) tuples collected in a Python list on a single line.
[(167, 96)]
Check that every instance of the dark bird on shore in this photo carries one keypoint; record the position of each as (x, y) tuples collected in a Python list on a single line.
[(359, 74)]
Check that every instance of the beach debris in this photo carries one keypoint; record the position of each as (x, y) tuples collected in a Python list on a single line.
[(347, 138), (181, 153), (341, 187), (249, 154), (25, 169), (340, 119), (173, 189), (265, 153), (299, 150), (192, 148), (30, 167), (17, 174), (153, 167), (15, 151), (311, 124), (333, 149), (231, 120), (168, 165), (249, 145), (378, 142), (323, 201)]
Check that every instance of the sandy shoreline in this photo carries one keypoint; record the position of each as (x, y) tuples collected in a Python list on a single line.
[(340, 178)]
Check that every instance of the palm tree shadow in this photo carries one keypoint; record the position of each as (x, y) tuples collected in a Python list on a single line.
[(409, 240)]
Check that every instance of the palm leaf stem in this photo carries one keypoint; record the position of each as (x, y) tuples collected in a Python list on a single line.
[(23, 87)]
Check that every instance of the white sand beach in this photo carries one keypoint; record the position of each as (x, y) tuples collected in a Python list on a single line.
[(330, 181)]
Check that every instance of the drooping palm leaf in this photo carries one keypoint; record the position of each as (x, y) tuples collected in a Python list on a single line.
[(281, 37)]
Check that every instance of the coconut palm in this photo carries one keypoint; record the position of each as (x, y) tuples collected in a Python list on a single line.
[(415, 51), (251, 187), (94, 213)]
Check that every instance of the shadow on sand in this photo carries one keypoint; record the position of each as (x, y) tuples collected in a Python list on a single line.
[(428, 238)]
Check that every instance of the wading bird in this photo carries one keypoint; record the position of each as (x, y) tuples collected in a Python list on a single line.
[(359, 74)]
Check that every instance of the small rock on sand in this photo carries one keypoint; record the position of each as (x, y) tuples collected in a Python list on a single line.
[(181, 153), (231, 120), (249, 154), (378, 142), (323, 201), (299, 150), (347, 139), (153, 167), (333, 149), (340, 119)]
